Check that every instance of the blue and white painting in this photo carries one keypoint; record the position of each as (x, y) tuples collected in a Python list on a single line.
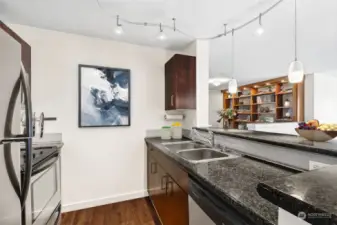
[(104, 96)]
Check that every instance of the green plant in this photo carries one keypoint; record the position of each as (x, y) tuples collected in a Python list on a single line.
[(226, 114)]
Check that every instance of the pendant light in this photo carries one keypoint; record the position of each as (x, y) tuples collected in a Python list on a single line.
[(233, 84), (161, 36), (119, 29), (296, 69)]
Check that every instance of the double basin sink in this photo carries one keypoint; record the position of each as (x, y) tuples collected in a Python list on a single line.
[(194, 152)]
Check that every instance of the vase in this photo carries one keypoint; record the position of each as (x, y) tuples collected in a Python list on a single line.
[(226, 124)]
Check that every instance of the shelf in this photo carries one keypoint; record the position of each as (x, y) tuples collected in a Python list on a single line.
[(242, 121), (284, 107), (244, 113), (261, 122), (281, 120), (284, 93), (266, 93), (265, 103), (243, 105), (268, 113), (245, 96)]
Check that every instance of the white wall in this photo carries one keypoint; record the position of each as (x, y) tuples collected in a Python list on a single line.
[(202, 75), (215, 104), (325, 92), (99, 165)]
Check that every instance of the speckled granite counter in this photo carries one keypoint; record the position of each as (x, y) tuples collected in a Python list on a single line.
[(292, 141), (310, 192), (233, 180)]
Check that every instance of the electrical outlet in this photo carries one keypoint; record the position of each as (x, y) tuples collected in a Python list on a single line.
[(317, 165)]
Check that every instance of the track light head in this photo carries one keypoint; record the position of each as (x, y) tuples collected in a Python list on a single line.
[(259, 31), (161, 36), (119, 29)]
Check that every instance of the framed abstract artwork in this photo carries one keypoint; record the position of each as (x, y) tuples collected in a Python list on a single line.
[(104, 96)]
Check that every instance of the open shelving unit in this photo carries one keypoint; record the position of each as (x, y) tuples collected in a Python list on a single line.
[(268, 101)]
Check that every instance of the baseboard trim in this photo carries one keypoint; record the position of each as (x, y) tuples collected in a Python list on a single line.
[(103, 201)]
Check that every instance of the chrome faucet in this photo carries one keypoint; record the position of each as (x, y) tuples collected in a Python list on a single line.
[(203, 138), (212, 138)]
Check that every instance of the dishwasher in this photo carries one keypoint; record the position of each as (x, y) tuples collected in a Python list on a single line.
[(206, 208)]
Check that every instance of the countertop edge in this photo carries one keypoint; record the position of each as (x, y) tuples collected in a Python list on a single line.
[(282, 144), (292, 204)]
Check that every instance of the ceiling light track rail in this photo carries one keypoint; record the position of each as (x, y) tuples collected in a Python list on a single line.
[(175, 29)]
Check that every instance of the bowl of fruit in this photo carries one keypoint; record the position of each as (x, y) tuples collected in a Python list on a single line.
[(313, 131)]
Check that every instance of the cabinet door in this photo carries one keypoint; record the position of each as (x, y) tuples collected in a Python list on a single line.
[(186, 83), (152, 172), (176, 205), (170, 79)]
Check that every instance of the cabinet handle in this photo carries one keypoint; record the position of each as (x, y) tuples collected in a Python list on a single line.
[(169, 183), (164, 179), (153, 165), (172, 96)]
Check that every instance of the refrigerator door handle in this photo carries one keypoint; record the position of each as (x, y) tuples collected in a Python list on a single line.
[(15, 138), (29, 133)]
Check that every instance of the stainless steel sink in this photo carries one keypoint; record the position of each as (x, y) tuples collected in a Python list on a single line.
[(204, 155), (178, 146), (176, 143)]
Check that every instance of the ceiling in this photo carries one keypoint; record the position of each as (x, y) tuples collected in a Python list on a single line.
[(256, 58), (197, 18)]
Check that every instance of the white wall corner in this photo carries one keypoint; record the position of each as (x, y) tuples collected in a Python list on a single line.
[(202, 74)]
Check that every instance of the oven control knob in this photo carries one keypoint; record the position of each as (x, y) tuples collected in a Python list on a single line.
[(41, 152), (34, 155)]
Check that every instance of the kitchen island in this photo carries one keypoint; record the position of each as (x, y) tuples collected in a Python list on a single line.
[(309, 194), (234, 181)]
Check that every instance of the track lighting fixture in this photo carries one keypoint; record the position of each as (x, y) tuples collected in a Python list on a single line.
[(161, 36), (259, 31), (119, 29)]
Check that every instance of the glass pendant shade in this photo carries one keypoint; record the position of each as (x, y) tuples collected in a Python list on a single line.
[(119, 30), (232, 86), (161, 36), (296, 72), (259, 31)]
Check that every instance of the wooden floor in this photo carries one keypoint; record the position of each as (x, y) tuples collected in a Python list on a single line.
[(134, 212)]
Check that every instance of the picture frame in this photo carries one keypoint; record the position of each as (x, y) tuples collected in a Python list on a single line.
[(104, 96)]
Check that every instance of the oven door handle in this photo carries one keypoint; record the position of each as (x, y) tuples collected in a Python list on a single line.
[(46, 165)]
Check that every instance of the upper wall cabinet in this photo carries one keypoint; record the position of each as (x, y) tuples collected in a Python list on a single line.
[(180, 82)]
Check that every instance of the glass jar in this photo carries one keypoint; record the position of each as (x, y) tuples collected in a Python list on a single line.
[(165, 133)]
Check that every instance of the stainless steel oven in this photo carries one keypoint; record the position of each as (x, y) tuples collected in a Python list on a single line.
[(43, 205)]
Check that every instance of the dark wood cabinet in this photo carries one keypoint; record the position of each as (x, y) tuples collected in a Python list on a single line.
[(168, 197), (180, 82)]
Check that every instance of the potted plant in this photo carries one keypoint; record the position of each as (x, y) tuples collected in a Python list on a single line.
[(226, 115)]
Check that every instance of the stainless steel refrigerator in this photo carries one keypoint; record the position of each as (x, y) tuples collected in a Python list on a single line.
[(14, 91)]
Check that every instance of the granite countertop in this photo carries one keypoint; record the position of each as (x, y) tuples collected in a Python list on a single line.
[(284, 140), (233, 180), (310, 192)]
